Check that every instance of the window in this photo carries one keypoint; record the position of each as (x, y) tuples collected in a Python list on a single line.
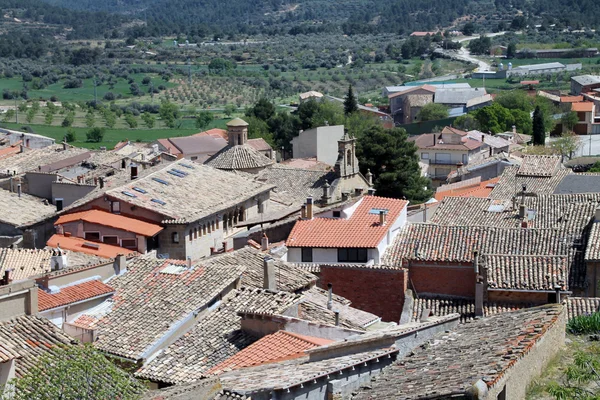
[(443, 158), (424, 156), (204, 229), (59, 204), (352, 255), (349, 157), (93, 236), (337, 214), (191, 235), (194, 158), (307, 254), (113, 240), (213, 225), (195, 233), (129, 243), (115, 207), (175, 237)]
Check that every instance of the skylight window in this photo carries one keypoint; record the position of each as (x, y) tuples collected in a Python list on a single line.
[(128, 194), (378, 211), (187, 166), (177, 174), (140, 190), (160, 181), (158, 201), (180, 172)]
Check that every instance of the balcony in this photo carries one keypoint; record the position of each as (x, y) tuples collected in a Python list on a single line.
[(445, 162)]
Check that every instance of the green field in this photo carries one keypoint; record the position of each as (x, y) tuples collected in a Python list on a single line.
[(113, 136)]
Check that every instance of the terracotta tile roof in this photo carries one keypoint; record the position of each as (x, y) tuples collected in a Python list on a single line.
[(242, 156), (449, 129), (116, 221), (204, 144), (152, 298), (26, 338), (428, 88), (571, 99), (171, 148), (583, 107), (481, 189), (452, 362), (290, 278), (309, 163), (278, 346), (362, 229), (281, 376), (167, 192), (592, 251), (10, 150), (23, 211), (24, 263), (215, 132), (511, 183), (425, 141), (80, 245), (214, 338), (513, 272), (260, 144), (445, 305), (539, 165), (577, 306), (72, 294)]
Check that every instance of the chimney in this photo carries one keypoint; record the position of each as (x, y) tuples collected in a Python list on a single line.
[(309, 208), (101, 182), (269, 274), (330, 296), (264, 242), (134, 171), (514, 129), (224, 246), (19, 190), (6, 279), (514, 203), (476, 262), (21, 148), (557, 290), (120, 264), (524, 224), (371, 192), (382, 218), (434, 138), (479, 299), (64, 145), (303, 211), (522, 211), (325, 197), (58, 260), (369, 177), (337, 318), (188, 261)]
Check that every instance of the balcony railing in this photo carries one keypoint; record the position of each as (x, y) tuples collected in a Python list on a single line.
[(445, 162)]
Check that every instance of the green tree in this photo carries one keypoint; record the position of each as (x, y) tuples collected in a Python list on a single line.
[(95, 135), (9, 115), (467, 122), (148, 119), (393, 160), (90, 120), (284, 128), (539, 133), (257, 128), (481, 45), (567, 144), (69, 119), (432, 112), (30, 115), (494, 118), (350, 103), (468, 29), (48, 117), (511, 50), (110, 119), (220, 66), (169, 113), (263, 109), (230, 109), (515, 100), (75, 372), (70, 135), (313, 113), (131, 121), (581, 378), (569, 120), (203, 119)]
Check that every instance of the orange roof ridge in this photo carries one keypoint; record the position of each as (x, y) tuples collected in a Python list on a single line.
[(309, 339), (80, 245), (117, 221)]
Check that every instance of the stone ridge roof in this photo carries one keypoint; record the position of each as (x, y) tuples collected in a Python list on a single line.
[(278, 346), (569, 212), (153, 297), (440, 305), (511, 183), (483, 349), (282, 376), (362, 229), (204, 389), (577, 306), (314, 308), (592, 251), (289, 277), (513, 272), (105, 218), (215, 337), (259, 144), (213, 190), (24, 263), (23, 211), (26, 338), (243, 156), (294, 185), (425, 142), (72, 294), (32, 159), (539, 165)]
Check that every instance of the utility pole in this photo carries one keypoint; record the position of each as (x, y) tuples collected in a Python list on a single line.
[(16, 111), (189, 72), (152, 92), (95, 91)]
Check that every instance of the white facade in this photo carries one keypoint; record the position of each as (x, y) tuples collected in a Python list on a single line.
[(320, 143)]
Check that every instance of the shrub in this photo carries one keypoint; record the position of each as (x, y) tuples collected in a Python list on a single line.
[(583, 324), (95, 135), (109, 96), (73, 84), (70, 135)]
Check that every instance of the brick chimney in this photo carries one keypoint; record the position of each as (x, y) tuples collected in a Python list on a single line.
[(269, 274), (309, 208), (382, 218), (478, 286), (303, 211)]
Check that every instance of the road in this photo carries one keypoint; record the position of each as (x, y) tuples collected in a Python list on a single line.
[(464, 53)]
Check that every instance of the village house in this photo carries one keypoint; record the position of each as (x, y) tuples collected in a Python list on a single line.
[(194, 148), (27, 140), (320, 143), (198, 207), (584, 83)]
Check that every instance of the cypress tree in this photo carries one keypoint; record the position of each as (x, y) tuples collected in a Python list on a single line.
[(350, 104), (539, 134)]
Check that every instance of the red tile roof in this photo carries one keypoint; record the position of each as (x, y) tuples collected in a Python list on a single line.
[(80, 245), (171, 148), (530, 82), (362, 229), (10, 150), (583, 106), (571, 99), (428, 88), (72, 294), (116, 221), (215, 132), (276, 347), (482, 189)]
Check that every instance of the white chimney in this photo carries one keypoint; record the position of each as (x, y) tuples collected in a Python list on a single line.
[(120, 264), (58, 260), (330, 296), (269, 274), (264, 243)]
